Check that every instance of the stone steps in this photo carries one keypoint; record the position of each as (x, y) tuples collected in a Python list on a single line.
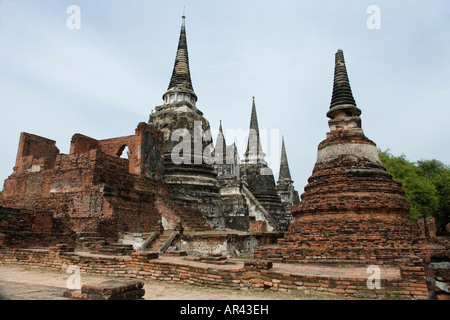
[(87, 239), (117, 249), (156, 244), (95, 243)]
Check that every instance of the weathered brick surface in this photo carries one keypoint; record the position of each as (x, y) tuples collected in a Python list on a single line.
[(251, 275), (35, 153), (109, 290), (352, 212), (91, 189), (23, 228), (437, 270), (351, 186), (258, 226), (258, 264), (343, 231)]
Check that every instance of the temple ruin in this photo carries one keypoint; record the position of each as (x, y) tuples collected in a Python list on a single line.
[(126, 204)]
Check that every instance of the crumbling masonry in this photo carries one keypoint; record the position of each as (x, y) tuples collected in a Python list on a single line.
[(117, 196)]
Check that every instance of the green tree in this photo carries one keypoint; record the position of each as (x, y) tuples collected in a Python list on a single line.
[(439, 175), (420, 192)]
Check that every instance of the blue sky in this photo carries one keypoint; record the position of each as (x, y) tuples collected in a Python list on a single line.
[(105, 78)]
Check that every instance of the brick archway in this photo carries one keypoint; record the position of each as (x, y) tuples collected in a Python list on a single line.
[(120, 153)]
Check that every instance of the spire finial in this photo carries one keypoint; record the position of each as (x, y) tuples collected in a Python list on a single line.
[(221, 144), (285, 173), (184, 15), (342, 101), (342, 92), (254, 149), (181, 76)]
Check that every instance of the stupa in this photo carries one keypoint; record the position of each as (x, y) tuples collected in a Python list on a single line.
[(187, 134), (352, 210)]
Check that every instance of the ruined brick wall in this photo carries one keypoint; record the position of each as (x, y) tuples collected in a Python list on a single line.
[(173, 210), (117, 146), (258, 226), (226, 244), (144, 154), (437, 270), (427, 228), (93, 188), (253, 275), (35, 153), (73, 190), (81, 144), (31, 228), (70, 174), (342, 231)]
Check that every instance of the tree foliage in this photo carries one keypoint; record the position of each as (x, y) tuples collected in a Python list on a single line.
[(426, 184)]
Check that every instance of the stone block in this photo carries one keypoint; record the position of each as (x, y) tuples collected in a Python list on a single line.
[(144, 256), (258, 264), (109, 290), (175, 253)]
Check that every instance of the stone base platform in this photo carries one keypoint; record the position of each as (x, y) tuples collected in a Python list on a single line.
[(407, 282)]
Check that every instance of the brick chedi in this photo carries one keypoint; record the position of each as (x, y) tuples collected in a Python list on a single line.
[(351, 206), (348, 176)]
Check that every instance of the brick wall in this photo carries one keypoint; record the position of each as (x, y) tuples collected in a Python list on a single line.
[(437, 270), (35, 153), (255, 275), (340, 231), (23, 228), (258, 226), (93, 189)]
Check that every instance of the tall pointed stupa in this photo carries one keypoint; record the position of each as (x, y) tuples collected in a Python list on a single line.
[(285, 173), (220, 149), (187, 134), (285, 184), (226, 159), (180, 86), (351, 209), (259, 177), (254, 153)]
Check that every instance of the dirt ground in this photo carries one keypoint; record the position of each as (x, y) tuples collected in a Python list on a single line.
[(31, 283)]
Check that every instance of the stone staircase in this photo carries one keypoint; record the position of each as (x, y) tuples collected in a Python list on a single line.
[(160, 243), (94, 242), (114, 249), (157, 243), (87, 239)]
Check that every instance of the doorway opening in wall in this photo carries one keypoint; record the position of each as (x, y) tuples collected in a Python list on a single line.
[(124, 152)]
